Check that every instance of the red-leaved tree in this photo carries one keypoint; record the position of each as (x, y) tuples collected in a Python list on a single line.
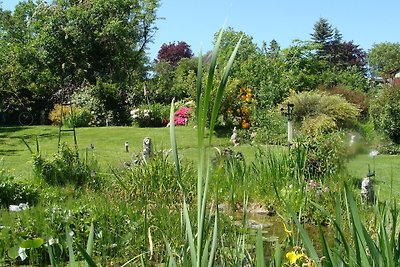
[(174, 52)]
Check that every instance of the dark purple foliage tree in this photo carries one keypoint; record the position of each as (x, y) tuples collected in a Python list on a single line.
[(346, 54), (174, 52)]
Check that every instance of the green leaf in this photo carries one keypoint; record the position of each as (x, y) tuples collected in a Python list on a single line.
[(173, 139), (221, 88), (189, 234), (88, 258), (214, 241), (277, 254), (90, 242), (70, 247), (32, 243), (53, 262), (260, 262), (13, 252)]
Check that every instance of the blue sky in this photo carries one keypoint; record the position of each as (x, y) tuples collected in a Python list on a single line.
[(196, 21)]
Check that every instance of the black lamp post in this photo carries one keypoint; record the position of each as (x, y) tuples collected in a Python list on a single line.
[(288, 112)]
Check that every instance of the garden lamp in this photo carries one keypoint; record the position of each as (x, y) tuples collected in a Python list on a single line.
[(288, 112)]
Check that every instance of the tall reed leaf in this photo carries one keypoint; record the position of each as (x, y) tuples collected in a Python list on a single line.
[(201, 253), (221, 88), (70, 248), (173, 139), (90, 244), (260, 262)]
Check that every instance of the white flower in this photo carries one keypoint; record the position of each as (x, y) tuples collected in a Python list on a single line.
[(373, 153), (53, 241), (135, 113)]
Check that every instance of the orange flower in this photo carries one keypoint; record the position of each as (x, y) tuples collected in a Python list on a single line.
[(245, 124)]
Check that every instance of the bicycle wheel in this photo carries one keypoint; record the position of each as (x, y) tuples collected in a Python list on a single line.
[(25, 118)]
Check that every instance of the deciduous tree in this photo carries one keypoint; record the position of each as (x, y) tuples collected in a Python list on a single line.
[(384, 59), (174, 52)]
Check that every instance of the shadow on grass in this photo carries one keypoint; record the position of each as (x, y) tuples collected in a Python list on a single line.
[(8, 152), (11, 129)]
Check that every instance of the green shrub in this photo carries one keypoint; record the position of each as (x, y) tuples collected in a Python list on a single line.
[(150, 115), (80, 118), (86, 98), (308, 106), (65, 167), (72, 117), (385, 112), (325, 154), (13, 192), (270, 126)]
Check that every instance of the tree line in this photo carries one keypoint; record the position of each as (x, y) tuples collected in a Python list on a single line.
[(95, 51)]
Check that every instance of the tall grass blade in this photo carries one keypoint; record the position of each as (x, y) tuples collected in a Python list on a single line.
[(221, 88), (330, 259), (304, 236), (199, 82), (53, 261), (70, 247), (28, 146), (189, 235), (89, 261), (260, 261), (358, 233), (151, 245), (173, 138), (171, 261), (214, 241), (277, 254), (90, 243)]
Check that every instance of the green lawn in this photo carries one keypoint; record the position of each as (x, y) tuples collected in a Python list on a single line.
[(387, 173), (110, 150), (108, 143)]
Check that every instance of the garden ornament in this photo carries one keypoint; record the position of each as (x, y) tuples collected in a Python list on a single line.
[(234, 137), (126, 146), (367, 189), (147, 149)]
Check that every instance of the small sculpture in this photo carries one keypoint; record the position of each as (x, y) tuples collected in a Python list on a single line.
[(234, 137), (126, 146), (147, 149), (367, 189)]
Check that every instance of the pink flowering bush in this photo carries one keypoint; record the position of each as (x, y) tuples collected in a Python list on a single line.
[(182, 116)]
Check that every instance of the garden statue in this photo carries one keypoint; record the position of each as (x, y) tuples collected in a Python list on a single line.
[(147, 149), (126, 146), (42, 117), (367, 190), (234, 137)]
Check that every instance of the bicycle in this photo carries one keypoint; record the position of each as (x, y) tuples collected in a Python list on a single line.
[(11, 115), (25, 118)]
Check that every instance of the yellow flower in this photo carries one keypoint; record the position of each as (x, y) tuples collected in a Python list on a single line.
[(293, 257), (288, 232)]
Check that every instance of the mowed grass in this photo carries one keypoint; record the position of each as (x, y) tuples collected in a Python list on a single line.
[(387, 173), (109, 144), (109, 150)]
